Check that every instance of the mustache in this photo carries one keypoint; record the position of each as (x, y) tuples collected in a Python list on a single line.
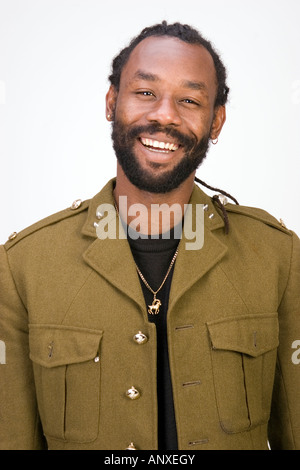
[(188, 142)]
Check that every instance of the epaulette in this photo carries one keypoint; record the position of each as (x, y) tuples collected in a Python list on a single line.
[(76, 207), (258, 214)]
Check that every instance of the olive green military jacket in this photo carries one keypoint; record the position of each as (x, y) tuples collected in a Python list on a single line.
[(71, 313)]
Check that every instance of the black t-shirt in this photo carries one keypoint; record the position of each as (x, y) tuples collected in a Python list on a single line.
[(153, 257)]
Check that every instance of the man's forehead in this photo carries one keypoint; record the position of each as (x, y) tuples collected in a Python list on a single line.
[(155, 53)]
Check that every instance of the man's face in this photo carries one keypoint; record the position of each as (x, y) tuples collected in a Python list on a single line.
[(164, 112)]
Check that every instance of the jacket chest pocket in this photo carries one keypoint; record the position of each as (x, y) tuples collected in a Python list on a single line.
[(243, 358), (67, 374)]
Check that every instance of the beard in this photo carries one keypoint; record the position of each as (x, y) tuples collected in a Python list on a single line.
[(154, 182)]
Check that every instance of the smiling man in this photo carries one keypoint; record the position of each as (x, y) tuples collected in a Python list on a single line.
[(165, 115), (115, 342)]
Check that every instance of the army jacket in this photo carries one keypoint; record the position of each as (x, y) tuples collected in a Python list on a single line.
[(76, 341)]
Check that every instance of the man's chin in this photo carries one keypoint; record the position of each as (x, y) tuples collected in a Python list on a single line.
[(156, 178), (152, 182)]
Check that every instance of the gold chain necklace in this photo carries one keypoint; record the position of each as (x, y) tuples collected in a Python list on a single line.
[(156, 303)]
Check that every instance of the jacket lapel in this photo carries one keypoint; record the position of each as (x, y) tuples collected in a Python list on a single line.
[(191, 265), (113, 260)]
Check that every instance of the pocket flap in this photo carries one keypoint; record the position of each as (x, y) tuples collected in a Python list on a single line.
[(252, 335), (56, 345)]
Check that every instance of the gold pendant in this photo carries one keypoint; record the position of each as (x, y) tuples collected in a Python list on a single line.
[(154, 308)]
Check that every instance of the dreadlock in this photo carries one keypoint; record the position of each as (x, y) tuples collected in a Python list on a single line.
[(216, 199), (216, 189)]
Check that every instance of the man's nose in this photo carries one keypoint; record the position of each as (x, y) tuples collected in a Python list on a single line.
[(165, 112)]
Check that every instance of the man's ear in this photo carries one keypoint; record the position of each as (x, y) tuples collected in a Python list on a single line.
[(218, 122), (111, 100)]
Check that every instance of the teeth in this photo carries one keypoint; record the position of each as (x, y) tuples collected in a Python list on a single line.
[(159, 145)]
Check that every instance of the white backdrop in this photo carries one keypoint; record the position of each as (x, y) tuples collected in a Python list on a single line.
[(55, 57)]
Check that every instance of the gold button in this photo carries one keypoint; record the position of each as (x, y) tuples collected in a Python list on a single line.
[(76, 204), (131, 446), (140, 338), (133, 393), (12, 235), (50, 349)]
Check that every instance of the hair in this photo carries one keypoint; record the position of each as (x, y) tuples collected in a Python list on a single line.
[(180, 31)]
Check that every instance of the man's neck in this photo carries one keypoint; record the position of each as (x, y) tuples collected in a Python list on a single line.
[(155, 213)]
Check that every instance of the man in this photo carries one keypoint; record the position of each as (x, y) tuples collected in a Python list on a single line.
[(139, 342)]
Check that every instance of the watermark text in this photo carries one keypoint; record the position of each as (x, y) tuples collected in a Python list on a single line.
[(158, 221), (2, 352), (296, 354)]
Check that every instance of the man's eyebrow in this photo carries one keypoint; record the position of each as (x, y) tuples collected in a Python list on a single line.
[(194, 85), (147, 76), (141, 75)]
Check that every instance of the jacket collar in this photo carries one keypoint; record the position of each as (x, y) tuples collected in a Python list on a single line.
[(106, 256), (213, 220)]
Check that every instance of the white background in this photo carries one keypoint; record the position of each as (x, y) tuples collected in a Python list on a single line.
[(55, 56)]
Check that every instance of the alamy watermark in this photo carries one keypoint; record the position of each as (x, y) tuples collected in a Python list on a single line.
[(160, 221), (2, 352), (296, 354)]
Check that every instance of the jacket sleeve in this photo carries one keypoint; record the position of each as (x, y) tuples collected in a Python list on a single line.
[(19, 420), (284, 425)]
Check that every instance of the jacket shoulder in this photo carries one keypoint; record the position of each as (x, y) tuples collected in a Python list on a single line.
[(77, 207), (260, 215)]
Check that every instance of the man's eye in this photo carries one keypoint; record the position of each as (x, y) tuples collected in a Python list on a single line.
[(189, 101), (145, 93)]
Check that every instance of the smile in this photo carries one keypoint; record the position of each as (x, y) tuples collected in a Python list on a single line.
[(159, 146)]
